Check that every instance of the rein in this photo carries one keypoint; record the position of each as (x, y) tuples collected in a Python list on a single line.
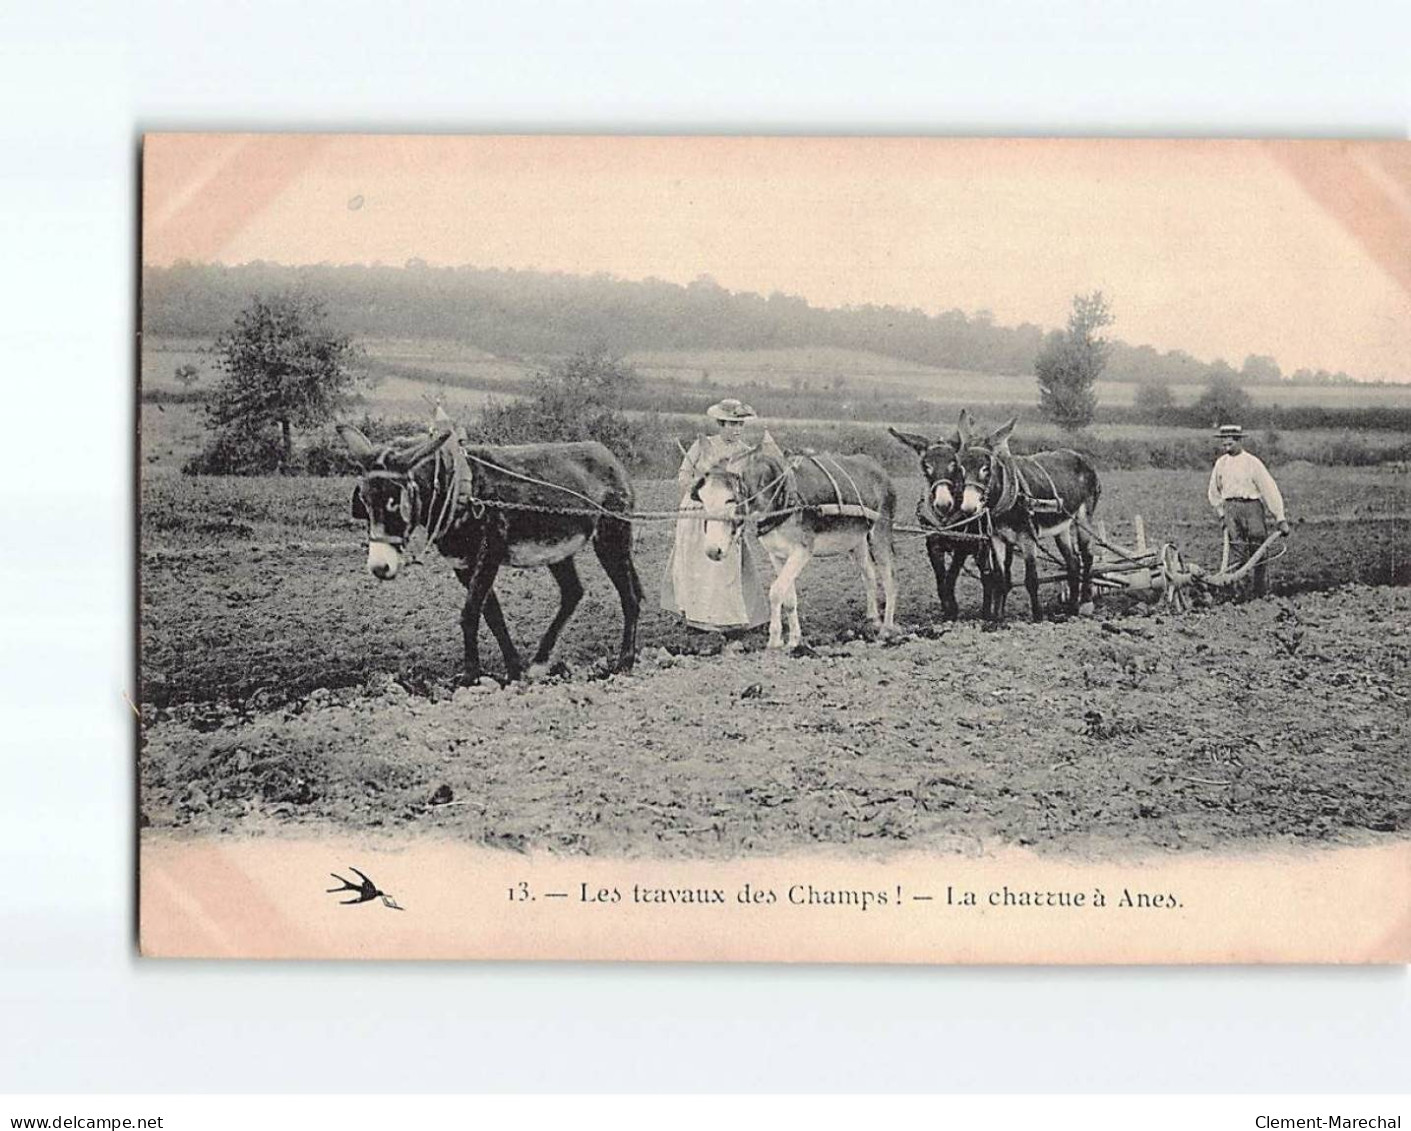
[(762, 523), (598, 507), (778, 515)]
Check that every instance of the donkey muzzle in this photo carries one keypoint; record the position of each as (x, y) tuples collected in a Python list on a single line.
[(971, 500), (383, 560)]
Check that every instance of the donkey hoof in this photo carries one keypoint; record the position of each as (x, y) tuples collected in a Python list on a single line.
[(536, 671)]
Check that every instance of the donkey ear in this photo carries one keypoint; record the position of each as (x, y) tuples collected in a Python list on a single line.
[(359, 505), (359, 447), (964, 428), (998, 440), (911, 440), (406, 459)]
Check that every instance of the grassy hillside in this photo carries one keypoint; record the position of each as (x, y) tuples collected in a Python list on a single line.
[(823, 369)]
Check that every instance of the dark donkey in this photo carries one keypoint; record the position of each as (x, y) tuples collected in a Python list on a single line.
[(938, 508), (1022, 497), (485, 507)]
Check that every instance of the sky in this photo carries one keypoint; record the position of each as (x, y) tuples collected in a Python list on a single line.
[(1298, 250)]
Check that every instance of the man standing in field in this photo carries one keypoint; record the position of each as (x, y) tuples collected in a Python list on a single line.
[(1241, 490)]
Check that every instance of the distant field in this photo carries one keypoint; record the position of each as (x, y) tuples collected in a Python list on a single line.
[(819, 369), (1033, 430), (173, 432), (820, 361)]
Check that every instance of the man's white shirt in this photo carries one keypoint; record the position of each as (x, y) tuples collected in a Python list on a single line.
[(1244, 476)]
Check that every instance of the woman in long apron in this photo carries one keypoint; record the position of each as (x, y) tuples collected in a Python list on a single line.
[(726, 594)]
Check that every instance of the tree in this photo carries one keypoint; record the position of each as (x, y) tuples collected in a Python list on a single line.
[(1223, 401), (1070, 361), (1153, 398), (283, 366), (1261, 369), (186, 375)]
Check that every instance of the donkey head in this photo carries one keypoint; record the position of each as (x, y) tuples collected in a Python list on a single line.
[(730, 491), (938, 462), (976, 468), (387, 496)]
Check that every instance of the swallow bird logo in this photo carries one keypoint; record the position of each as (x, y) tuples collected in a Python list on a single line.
[(367, 891)]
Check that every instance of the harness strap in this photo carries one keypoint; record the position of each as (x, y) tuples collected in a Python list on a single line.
[(542, 483), (837, 491), (784, 482)]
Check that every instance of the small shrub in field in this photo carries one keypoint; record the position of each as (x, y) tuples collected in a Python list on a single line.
[(1350, 451), (1153, 401), (325, 454), (580, 398), (238, 452)]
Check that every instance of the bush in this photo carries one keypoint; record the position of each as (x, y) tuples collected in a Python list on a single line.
[(238, 452), (580, 398), (1223, 402), (241, 452), (1153, 400)]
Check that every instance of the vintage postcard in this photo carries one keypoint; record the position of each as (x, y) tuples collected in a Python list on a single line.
[(774, 549)]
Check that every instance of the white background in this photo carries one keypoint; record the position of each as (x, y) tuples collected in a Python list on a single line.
[(78, 83)]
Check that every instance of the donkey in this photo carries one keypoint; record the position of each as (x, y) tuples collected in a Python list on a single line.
[(1049, 493), (485, 507), (938, 509), (804, 505)]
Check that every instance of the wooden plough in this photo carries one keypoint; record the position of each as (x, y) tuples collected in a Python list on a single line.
[(1134, 569), (1139, 568)]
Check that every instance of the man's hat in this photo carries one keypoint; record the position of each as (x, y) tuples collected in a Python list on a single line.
[(1230, 432), (730, 409)]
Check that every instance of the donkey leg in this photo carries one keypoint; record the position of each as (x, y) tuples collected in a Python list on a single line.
[(495, 618), (998, 559), (613, 546), (949, 605), (879, 545), (986, 563), (479, 581), (791, 603), (863, 556), (782, 593), (570, 593), (1031, 577), (1064, 542), (1085, 560), (945, 575)]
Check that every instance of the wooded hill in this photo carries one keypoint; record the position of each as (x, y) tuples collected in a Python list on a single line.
[(536, 314)]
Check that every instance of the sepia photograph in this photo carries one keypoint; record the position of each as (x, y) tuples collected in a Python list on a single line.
[(792, 549)]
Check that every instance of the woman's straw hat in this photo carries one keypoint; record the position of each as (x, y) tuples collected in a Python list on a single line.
[(730, 409)]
